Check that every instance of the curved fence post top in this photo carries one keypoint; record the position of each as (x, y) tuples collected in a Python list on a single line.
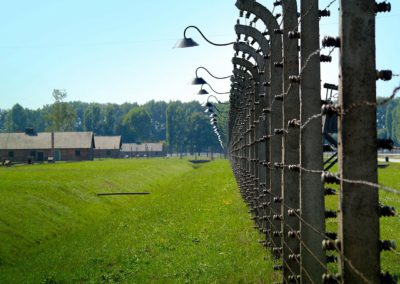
[(248, 49), (243, 78), (260, 12), (248, 65), (256, 35)]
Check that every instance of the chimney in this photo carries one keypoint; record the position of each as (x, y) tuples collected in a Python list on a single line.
[(52, 144), (30, 131)]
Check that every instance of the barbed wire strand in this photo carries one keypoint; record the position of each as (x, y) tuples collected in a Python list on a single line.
[(337, 249), (325, 236)]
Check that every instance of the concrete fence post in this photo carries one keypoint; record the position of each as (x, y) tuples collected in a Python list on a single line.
[(359, 215), (312, 209), (291, 147)]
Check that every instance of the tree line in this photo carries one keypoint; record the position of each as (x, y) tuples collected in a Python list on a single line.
[(183, 127), (388, 119)]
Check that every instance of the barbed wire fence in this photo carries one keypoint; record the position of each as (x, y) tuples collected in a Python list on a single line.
[(277, 124)]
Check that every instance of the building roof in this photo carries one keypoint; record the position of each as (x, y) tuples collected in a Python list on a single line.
[(42, 140), (107, 142), (144, 147)]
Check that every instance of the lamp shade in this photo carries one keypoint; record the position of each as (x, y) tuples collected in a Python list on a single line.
[(198, 81), (186, 42), (202, 92)]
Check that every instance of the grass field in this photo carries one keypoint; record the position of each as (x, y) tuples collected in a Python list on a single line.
[(389, 226), (193, 227)]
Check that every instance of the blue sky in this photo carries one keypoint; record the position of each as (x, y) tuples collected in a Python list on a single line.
[(121, 51)]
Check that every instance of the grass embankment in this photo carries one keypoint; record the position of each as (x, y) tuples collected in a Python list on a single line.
[(193, 227), (389, 226)]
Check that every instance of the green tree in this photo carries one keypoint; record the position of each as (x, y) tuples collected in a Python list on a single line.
[(176, 127), (382, 133), (62, 115), (92, 119), (184, 126), (16, 119), (137, 125), (110, 119), (3, 118), (80, 108), (157, 112), (200, 132), (387, 115), (395, 125)]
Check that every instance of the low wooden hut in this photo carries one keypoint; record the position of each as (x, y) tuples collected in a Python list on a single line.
[(30, 146), (107, 146)]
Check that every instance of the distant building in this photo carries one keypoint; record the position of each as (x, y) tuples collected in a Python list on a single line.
[(142, 150), (107, 146), (31, 146)]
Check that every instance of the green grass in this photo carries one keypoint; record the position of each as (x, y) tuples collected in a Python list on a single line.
[(389, 226), (193, 227)]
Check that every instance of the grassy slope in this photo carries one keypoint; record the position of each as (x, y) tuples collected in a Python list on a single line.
[(193, 226), (389, 226)]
